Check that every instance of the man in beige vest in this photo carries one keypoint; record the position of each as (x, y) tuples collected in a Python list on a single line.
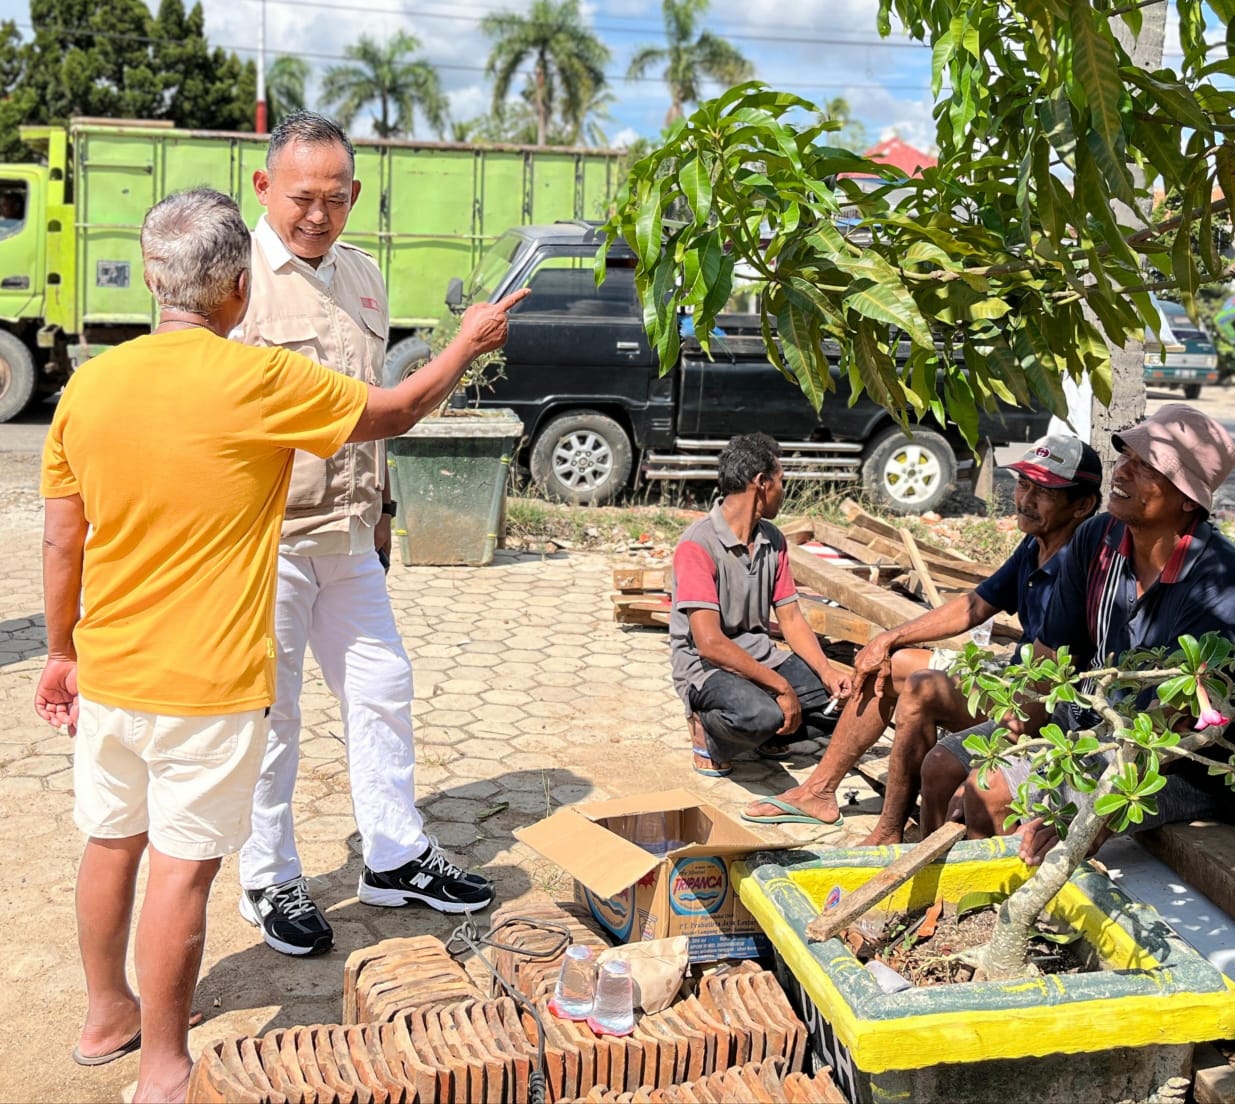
[(324, 298)]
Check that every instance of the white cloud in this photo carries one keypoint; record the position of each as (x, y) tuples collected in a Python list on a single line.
[(624, 138)]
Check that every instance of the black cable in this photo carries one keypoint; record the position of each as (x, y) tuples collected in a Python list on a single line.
[(467, 937)]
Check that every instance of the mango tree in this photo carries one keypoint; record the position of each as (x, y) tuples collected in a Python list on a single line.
[(1005, 268)]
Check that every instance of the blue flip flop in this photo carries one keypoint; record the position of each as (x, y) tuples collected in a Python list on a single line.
[(789, 815), (720, 769)]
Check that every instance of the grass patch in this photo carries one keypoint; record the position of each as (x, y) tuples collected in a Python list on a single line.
[(535, 522)]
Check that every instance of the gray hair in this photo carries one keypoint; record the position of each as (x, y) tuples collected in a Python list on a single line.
[(195, 245), (313, 130)]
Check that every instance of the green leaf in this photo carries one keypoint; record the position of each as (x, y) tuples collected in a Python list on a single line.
[(980, 899), (801, 346), (1095, 71), (695, 181), (1173, 96), (1055, 115), (1109, 803)]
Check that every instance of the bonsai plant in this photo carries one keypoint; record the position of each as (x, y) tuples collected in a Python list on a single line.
[(1193, 692)]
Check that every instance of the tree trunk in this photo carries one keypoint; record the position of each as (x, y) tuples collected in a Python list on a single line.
[(542, 113), (1128, 363), (1003, 958)]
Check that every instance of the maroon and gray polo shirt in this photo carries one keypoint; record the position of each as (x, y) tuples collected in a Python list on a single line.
[(713, 569)]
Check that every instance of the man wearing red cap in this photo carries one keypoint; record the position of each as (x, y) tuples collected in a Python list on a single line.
[(1142, 575), (1059, 484)]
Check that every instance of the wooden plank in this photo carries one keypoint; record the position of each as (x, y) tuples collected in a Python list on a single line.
[(858, 516), (885, 609), (1214, 1076), (1202, 853), (924, 575), (890, 878), (642, 578), (860, 545), (798, 530), (832, 622), (641, 609), (875, 770)]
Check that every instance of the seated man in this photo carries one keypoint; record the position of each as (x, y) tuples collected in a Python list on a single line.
[(1059, 483), (1139, 576), (729, 570)]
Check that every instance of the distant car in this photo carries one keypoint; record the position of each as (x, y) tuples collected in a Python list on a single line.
[(1191, 361)]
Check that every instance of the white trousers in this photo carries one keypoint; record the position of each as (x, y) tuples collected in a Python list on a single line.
[(338, 606)]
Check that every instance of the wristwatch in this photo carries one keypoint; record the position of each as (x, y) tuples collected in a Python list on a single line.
[(390, 508)]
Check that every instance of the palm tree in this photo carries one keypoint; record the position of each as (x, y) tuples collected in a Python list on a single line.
[(382, 73), (285, 83), (851, 134), (688, 58), (567, 59)]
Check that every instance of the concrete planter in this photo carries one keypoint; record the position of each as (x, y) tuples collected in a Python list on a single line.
[(1134, 1022), (449, 478)]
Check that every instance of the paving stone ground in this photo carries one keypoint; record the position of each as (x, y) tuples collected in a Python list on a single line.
[(528, 697)]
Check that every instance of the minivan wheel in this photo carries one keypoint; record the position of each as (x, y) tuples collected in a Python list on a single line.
[(909, 475), (583, 458)]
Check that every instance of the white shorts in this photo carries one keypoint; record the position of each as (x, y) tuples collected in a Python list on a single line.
[(186, 781)]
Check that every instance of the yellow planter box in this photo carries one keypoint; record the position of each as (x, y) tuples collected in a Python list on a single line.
[(1156, 991)]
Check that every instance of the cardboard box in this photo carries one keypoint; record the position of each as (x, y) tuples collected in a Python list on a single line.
[(636, 895)]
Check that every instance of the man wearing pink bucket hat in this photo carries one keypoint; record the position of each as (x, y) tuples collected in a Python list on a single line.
[(1141, 575)]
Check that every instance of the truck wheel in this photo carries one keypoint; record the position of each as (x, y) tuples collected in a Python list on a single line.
[(583, 458), (403, 358), (16, 376), (909, 475), (1192, 390)]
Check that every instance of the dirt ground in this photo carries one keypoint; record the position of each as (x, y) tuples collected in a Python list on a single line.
[(529, 697)]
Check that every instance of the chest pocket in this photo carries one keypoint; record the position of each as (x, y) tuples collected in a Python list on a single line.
[(375, 331), (298, 334)]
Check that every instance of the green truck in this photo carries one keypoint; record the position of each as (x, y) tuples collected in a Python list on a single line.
[(70, 262)]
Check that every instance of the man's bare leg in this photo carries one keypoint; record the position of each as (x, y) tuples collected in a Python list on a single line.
[(943, 774), (987, 809), (106, 882), (171, 935), (930, 700), (861, 724)]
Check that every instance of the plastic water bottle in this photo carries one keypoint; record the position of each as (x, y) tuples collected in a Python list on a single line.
[(576, 984), (981, 634), (652, 833), (614, 1010)]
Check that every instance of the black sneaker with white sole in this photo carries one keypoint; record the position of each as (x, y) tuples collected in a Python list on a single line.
[(291, 923), (430, 878)]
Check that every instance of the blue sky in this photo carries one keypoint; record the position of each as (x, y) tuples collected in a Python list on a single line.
[(819, 49)]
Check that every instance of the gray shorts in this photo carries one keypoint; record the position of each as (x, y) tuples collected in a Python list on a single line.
[(955, 741)]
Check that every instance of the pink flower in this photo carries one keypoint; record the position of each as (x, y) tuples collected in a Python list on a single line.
[(1209, 715)]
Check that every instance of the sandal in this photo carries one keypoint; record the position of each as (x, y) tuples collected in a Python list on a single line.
[(774, 751), (719, 768), (714, 768)]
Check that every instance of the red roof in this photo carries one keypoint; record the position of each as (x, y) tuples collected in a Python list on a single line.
[(901, 155)]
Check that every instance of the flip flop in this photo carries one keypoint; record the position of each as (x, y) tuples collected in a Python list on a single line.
[(789, 815), (721, 769), (774, 751), (102, 1059), (123, 1049)]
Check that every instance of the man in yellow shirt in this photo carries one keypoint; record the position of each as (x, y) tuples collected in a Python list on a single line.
[(165, 472)]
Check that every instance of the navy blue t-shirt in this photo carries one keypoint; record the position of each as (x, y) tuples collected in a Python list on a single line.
[(1020, 586), (1194, 594)]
